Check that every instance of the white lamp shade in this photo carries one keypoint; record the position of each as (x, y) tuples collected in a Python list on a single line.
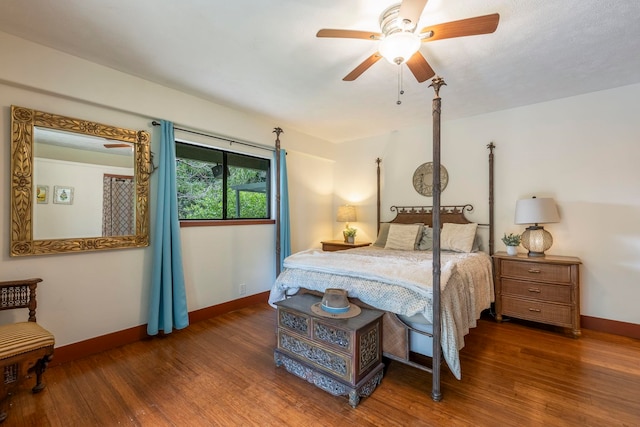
[(398, 47), (346, 213), (536, 211)]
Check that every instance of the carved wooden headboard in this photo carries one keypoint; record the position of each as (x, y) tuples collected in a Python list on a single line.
[(423, 214)]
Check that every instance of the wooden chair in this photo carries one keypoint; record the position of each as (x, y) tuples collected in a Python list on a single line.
[(25, 347)]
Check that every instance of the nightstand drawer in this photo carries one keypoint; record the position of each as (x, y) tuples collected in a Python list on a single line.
[(339, 245), (537, 271), (333, 247), (555, 314), (539, 291)]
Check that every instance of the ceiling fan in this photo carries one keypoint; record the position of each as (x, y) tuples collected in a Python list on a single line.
[(400, 43)]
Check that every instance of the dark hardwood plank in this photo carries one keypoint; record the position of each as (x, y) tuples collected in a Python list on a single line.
[(221, 372)]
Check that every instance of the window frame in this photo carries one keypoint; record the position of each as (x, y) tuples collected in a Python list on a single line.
[(270, 188)]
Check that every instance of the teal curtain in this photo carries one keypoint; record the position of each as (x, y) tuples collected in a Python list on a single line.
[(285, 229), (168, 300)]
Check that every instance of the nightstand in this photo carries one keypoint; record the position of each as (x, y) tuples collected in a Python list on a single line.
[(341, 356), (340, 245), (541, 289)]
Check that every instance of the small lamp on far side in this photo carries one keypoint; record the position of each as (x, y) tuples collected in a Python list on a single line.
[(346, 214), (536, 211)]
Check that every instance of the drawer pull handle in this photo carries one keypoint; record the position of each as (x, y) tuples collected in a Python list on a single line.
[(534, 270), (536, 290), (536, 310)]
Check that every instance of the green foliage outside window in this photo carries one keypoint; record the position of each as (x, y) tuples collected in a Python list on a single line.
[(201, 182)]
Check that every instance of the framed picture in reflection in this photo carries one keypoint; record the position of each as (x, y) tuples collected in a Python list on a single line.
[(62, 195), (42, 193)]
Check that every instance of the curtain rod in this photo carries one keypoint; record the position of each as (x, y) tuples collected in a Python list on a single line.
[(208, 135)]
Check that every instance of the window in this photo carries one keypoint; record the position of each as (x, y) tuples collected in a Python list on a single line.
[(214, 184)]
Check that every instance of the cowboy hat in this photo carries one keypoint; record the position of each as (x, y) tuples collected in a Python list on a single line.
[(335, 305)]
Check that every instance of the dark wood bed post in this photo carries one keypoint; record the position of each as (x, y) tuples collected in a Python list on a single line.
[(278, 131), (436, 395), (378, 161), (491, 146)]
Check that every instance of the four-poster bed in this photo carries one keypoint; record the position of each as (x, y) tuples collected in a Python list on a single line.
[(441, 307)]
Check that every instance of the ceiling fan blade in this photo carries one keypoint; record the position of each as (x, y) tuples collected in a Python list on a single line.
[(117, 145), (349, 34), (411, 10), (364, 66), (420, 67), (465, 27)]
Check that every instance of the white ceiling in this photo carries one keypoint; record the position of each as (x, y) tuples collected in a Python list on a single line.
[(262, 56)]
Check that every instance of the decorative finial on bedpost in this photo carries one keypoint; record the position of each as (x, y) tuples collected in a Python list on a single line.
[(436, 83), (491, 146)]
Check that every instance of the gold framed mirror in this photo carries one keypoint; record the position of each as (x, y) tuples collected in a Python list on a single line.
[(76, 185)]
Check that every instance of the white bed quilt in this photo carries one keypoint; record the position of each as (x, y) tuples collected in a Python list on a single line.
[(399, 282)]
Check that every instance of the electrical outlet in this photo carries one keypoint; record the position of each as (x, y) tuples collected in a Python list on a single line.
[(242, 289)]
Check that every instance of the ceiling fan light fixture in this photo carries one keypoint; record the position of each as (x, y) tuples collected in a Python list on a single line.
[(398, 47)]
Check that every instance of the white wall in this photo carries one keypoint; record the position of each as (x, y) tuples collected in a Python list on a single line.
[(81, 218), (582, 151), (311, 188), (91, 294)]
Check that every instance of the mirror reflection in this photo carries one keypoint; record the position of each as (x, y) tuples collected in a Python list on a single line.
[(76, 185), (94, 180)]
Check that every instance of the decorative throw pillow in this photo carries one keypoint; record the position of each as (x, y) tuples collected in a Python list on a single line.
[(404, 236), (426, 242), (458, 237), (381, 241)]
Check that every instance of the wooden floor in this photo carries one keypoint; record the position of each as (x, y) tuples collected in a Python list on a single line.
[(220, 372)]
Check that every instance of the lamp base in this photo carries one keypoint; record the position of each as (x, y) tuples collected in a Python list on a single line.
[(535, 254), (536, 240)]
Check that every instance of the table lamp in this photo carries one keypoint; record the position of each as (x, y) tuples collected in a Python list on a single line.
[(536, 211), (346, 214)]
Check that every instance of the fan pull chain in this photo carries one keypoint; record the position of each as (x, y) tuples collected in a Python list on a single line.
[(400, 84)]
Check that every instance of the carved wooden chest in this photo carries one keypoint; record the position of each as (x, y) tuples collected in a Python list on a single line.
[(340, 356)]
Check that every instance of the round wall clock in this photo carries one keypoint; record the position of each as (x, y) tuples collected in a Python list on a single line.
[(423, 179)]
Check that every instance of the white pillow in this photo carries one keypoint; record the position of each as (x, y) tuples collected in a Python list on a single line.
[(458, 237), (404, 236)]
